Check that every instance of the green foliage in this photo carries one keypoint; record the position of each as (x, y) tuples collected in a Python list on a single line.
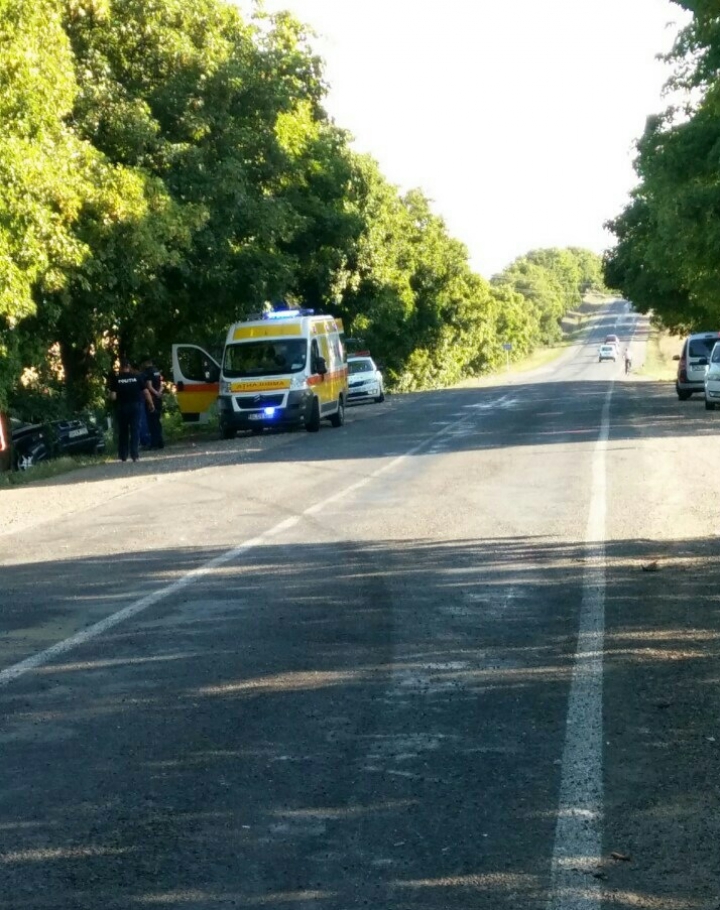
[(43, 168), (551, 282), (665, 255), (169, 167), (38, 156), (410, 291)]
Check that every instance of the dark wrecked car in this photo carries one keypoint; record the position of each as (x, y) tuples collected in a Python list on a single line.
[(31, 443), (28, 444), (78, 436)]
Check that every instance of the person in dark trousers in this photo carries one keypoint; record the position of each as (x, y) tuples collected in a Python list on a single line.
[(154, 385), (628, 361), (110, 381), (129, 394)]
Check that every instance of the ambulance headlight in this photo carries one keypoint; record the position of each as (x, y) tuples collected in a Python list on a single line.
[(224, 387), (298, 382)]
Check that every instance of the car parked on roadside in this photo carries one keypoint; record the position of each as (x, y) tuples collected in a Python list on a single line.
[(607, 352), (712, 379), (365, 381), (693, 363)]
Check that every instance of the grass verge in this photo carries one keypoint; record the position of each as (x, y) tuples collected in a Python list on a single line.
[(175, 431), (46, 470), (661, 348)]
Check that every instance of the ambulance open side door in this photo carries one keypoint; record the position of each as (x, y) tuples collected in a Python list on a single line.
[(196, 375)]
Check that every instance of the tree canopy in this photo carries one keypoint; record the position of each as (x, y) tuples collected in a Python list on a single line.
[(169, 167), (665, 256), (552, 281)]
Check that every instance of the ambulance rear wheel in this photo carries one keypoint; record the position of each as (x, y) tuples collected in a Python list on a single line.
[(312, 424), (338, 418)]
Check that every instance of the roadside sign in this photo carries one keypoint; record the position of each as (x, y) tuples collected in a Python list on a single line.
[(507, 346)]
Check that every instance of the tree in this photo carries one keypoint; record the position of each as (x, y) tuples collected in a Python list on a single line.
[(665, 258), (170, 168), (44, 168), (192, 217), (544, 294), (410, 291)]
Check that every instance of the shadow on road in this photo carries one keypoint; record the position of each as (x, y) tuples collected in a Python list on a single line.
[(373, 725), (502, 416)]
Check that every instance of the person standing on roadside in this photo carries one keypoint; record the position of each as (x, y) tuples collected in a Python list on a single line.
[(110, 380), (628, 361), (154, 385), (129, 394)]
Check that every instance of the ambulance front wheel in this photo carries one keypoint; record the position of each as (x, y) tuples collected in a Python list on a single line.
[(228, 432), (338, 418), (312, 424)]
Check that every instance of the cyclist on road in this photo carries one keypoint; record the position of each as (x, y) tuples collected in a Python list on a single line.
[(628, 361)]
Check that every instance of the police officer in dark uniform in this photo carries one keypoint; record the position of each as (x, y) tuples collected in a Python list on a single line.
[(129, 394), (154, 385)]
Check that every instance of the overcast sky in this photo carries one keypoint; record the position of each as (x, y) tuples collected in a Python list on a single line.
[(516, 117)]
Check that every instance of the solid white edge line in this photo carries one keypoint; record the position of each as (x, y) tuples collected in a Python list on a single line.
[(10, 674), (578, 834)]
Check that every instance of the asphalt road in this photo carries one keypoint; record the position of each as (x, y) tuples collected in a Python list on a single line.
[(461, 653)]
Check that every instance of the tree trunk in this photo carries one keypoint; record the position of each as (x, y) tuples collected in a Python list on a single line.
[(77, 364)]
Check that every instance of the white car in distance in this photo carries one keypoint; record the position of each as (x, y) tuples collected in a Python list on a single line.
[(365, 381), (607, 352)]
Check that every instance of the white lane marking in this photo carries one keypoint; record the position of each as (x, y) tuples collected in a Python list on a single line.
[(578, 834), (139, 606)]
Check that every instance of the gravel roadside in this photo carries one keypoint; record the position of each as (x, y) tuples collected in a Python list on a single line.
[(94, 487), (25, 507)]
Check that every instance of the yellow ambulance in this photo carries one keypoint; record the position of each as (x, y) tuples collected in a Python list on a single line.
[(284, 368)]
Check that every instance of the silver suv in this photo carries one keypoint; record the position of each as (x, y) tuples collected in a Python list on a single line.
[(693, 361), (712, 380)]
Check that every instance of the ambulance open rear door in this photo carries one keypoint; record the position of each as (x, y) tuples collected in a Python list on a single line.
[(196, 375)]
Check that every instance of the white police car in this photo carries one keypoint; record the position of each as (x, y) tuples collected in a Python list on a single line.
[(365, 381)]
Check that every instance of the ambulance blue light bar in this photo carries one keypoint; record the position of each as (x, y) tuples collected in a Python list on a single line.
[(288, 314)]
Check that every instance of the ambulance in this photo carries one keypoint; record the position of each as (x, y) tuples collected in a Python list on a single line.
[(283, 368)]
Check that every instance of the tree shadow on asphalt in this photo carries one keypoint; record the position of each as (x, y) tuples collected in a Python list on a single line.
[(498, 417), (358, 725)]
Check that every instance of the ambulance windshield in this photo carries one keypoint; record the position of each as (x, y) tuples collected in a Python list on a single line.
[(265, 357)]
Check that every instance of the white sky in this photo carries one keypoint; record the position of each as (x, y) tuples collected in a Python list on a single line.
[(516, 117)]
